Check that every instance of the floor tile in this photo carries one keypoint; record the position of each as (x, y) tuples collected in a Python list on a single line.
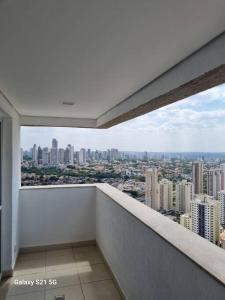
[(30, 296), (70, 293), (32, 256), (94, 273), (59, 262), (100, 290), (29, 267), (24, 284), (65, 277), (60, 252), (87, 255)]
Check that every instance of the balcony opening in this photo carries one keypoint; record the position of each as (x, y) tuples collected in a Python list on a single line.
[(172, 159)]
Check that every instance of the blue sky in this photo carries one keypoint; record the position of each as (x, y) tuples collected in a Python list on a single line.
[(196, 123)]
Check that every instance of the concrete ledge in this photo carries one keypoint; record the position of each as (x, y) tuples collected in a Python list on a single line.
[(206, 255), (59, 186)]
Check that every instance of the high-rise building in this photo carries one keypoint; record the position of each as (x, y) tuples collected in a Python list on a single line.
[(222, 167), (166, 194), (152, 189), (205, 217), (214, 182), (185, 220), (34, 153), (61, 156), (197, 177), (184, 195), (89, 158), (221, 198), (45, 156), (54, 143), (82, 156), (71, 154), (114, 154), (54, 153), (39, 155)]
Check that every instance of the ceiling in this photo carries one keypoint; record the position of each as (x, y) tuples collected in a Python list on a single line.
[(95, 53)]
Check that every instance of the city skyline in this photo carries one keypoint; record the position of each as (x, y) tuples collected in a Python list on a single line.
[(195, 124)]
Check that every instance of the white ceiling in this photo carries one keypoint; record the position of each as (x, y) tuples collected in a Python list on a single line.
[(97, 52)]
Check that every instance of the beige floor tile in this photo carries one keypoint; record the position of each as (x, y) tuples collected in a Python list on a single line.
[(70, 293), (94, 273), (32, 256), (30, 296), (88, 255), (24, 284), (65, 277), (60, 252), (101, 290), (86, 250), (24, 267), (59, 262)]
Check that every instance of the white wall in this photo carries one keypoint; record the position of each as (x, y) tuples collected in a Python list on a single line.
[(56, 215), (10, 182)]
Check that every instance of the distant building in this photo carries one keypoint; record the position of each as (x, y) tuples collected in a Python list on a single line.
[(82, 156), (71, 154), (197, 177), (61, 156), (222, 167), (184, 195), (205, 217), (45, 156), (166, 194), (214, 182), (54, 160), (39, 155), (114, 154), (221, 198), (185, 220), (152, 189), (34, 153)]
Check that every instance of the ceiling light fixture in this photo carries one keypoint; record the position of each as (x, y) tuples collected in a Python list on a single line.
[(68, 103)]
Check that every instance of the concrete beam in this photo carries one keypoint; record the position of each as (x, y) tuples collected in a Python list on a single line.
[(202, 70), (57, 122)]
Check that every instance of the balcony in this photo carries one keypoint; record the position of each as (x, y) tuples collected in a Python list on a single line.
[(99, 243), (109, 63)]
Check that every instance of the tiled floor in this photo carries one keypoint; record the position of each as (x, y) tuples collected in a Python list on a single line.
[(81, 274)]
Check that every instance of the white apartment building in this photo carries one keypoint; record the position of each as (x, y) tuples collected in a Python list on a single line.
[(152, 189), (185, 221), (34, 153), (61, 156), (214, 182), (45, 156), (222, 167), (184, 195), (166, 194), (205, 217), (82, 156), (221, 199)]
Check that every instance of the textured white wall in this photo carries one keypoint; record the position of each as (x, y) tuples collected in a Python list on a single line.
[(56, 215)]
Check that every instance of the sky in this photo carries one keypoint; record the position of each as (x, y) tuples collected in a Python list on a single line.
[(195, 124)]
